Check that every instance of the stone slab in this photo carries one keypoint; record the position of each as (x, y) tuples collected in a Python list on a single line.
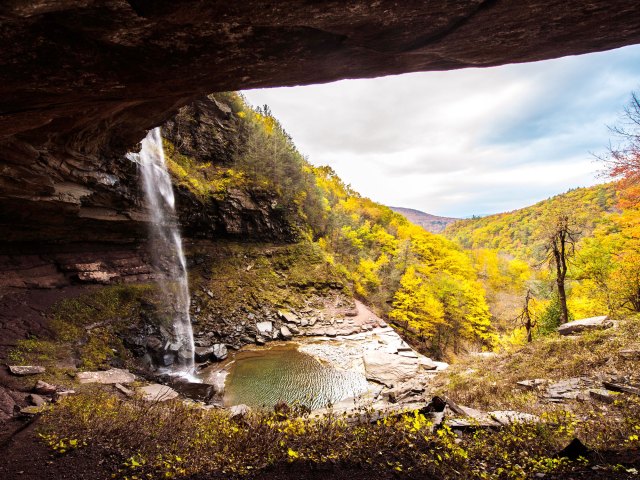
[(115, 375)]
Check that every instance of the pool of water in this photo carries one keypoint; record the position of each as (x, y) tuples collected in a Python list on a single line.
[(263, 377)]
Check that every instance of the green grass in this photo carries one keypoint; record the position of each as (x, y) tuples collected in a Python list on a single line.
[(174, 440), (86, 330)]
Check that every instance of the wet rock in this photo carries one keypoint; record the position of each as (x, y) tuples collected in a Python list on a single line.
[(202, 354), (114, 375), (578, 326), (154, 344), (157, 393), (220, 351), (24, 370), (168, 359), (387, 368), (285, 333), (260, 340), (44, 388), (202, 392), (202, 342), (264, 328)]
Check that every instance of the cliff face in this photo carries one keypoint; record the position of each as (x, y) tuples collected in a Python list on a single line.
[(65, 224)]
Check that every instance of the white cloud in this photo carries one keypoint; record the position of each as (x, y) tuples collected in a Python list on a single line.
[(463, 142)]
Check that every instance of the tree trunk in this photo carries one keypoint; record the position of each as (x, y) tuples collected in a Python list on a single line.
[(561, 271), (562, 296)]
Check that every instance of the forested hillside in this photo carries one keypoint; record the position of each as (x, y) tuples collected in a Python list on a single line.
[(431, 223), (513, 254), (422, 282), (520, 233)]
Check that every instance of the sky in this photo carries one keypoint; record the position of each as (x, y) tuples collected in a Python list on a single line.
[(464, 142)]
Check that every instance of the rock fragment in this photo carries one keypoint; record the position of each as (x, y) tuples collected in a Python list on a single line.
[(157, 393), (44, 388), (114, 375), (24, 370)]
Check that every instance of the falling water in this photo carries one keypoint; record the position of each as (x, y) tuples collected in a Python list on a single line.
[(166, 244)]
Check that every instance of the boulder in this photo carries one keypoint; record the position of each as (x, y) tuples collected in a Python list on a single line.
[(387, 368), (202, 354), (285, 332), (157, 393), (154, 344), (220, 351), (331, 332), (202, 342), (264, 328), (24, 370), (115, 375), (578, 326), (167, 360)]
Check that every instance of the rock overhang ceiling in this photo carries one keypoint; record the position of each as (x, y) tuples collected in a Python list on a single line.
[(92, 74), (81, 81)]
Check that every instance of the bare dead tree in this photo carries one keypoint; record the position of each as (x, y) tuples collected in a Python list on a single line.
[(526, 318), (561, 236)]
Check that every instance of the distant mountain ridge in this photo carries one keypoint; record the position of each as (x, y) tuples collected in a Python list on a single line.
[(431, 223)]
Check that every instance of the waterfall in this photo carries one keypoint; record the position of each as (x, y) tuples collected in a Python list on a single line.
[(166, 250)]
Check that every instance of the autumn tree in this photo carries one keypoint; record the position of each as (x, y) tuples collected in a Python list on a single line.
[(623, 164), (623, 159)]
